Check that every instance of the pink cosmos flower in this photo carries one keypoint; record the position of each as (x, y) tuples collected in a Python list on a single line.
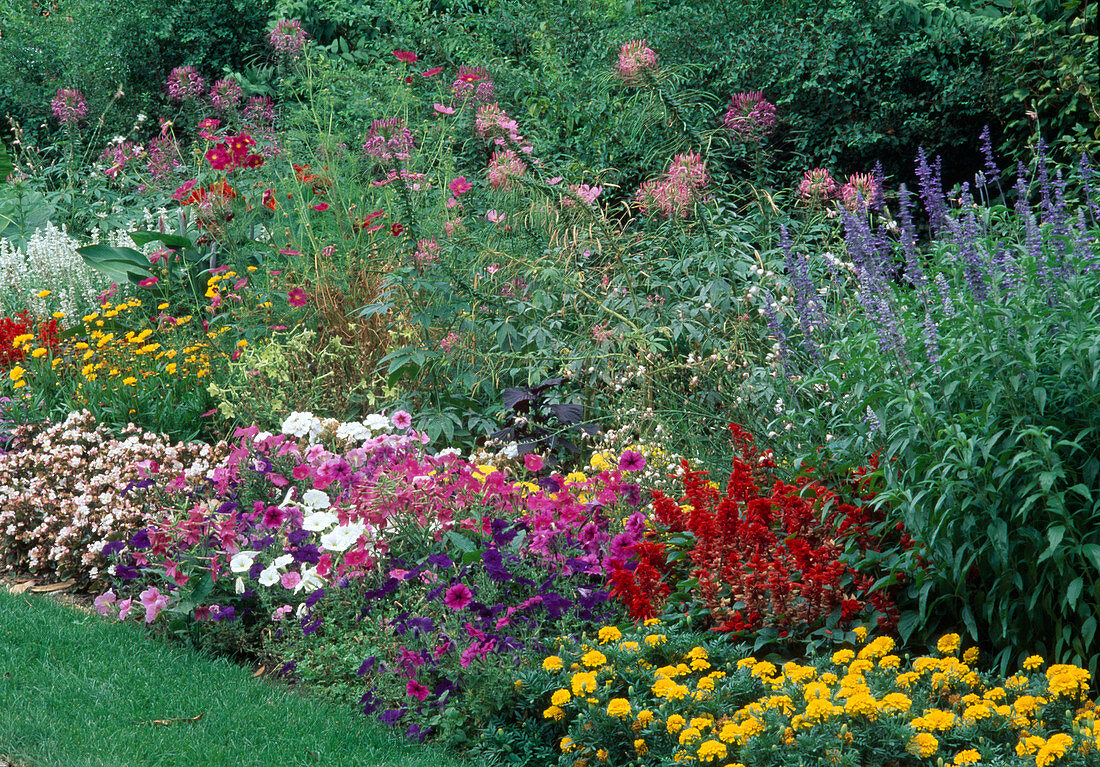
[(297, 297), (402, 419), (406, 56), (443, 110), (458, 596), (321, 207), (473, 83), (431, 72), (149, 282), (495, 216), (460, 186), (153, 602)]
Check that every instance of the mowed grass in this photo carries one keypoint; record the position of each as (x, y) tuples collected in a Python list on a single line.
[(78, 691)]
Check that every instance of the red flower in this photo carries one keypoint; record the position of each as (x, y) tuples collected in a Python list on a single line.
[(219, 157), (396, 230), (269, 199), (321, 207), (297, 297), (431, 72), (301, 172), (406, 56)]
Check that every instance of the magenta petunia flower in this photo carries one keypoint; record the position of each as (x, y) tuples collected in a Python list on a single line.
[(416, 690), (533, 462), (402, 419), (274, 517), (458, 596), (631, 460), (297, 297)]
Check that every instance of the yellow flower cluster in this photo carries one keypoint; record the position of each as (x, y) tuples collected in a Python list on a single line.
[(635, 697)]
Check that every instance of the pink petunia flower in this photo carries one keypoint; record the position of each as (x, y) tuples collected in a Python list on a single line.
[(291, 580), (104, 603), (631, 460), (533, 462), (401, 419), (154, 603)]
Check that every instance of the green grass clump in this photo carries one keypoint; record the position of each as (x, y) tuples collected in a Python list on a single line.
[(78, 691)]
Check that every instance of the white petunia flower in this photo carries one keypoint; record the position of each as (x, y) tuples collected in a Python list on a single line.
[(242, 561)]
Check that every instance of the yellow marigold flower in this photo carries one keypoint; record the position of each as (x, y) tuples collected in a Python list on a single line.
[(748, 662), (970, 657), (698, 664), (640, 747), (567, 744), (655, 639), (39, 352), (1029, 744), (841, 657), (601, 755), (861, 633), (969, 756), (862, 704), (629, 647), (923, 745), (560, 697), (711, 750), (16, 373), (895, 702), (764, 670), (162, 306), (675, 723), (43, 293), (877, 648), (609, 634), (1066, 680), (645, 716), (58, 315), (949, 644), (1053, 749), (697, 652), (906, 679), (861, 666), (554, 712), (170, 368), (619, 708), (889, 662), (821, 709), (995, 693), (668, 688), (552, 663), (706, 683), (129, 381), (689, 735), (593, 659), (934, 719), (601, 461), (583, 682)]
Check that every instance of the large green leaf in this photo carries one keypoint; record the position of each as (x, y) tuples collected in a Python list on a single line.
[(120, 264)]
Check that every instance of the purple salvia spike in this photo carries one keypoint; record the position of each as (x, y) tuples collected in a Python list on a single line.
[(931, 193), (944, 291), (1082, 245), (992, 172), (913, 271), (1086, 172), (931, 340), (811, 316), (1044, 180)]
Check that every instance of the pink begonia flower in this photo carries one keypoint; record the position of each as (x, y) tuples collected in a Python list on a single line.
[(153, 602), (443, 110), (401, 419), (533, 462), (104, 603)]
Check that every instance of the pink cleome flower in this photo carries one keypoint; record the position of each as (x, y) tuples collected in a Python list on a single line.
[(750, 117), (860, 191), (184, 84), (675, 193), (473, 84), (389, 139), (225, 94), (817, 185), (68, 106), (504, 168), (635, 59), (288, 37)]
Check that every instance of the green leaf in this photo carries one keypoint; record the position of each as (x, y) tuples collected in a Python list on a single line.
[(119, 264), (1073, 593), (460, 541), (6, 166), (170, 240), (1054, 537)]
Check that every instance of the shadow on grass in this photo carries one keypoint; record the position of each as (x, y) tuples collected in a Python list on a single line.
[(78, 691)]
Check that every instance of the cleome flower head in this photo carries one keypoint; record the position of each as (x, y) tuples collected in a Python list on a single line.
[(635, 59), (750, 117)]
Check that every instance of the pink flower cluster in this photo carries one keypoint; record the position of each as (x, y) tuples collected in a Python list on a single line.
[(675, 193), (118, 155), (184, 84), (234, 153), (389, 140), (288, 37), (260, 110), (68, 106), (504, 168), (494, 124), (635, 60), (861, 192), (817, 185), (70, 488), (225, 94), (750, 117), (585, 192), (427, 252), (473, 84)]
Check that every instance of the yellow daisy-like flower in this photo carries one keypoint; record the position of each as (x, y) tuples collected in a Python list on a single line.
[(629, 646), (129, 381), (609, 634), (16, 373), (841, 657), (711, 750), (969, 756), (923, 745), (601, 755), (567, 744), (39, 352), (861, 633), (560, 697), (949, 644), (593, 659), (619, 708), (1053, 749), (43, 293), (1033, 662)]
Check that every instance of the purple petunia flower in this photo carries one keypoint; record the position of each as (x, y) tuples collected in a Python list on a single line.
[(631, 460), (458, 596)]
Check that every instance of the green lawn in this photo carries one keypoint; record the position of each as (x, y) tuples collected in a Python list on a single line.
[(76, 691)]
